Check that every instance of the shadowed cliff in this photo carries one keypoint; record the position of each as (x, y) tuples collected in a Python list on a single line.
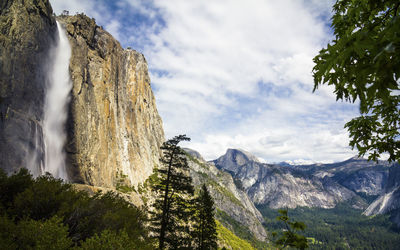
[(27, 32)]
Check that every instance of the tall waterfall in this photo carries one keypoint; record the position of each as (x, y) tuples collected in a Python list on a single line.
[(56, 107)]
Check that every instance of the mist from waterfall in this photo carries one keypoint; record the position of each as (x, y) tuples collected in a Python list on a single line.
[(57, 98)]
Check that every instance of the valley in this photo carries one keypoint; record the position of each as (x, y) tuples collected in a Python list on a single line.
[(341, 195), (342, 227)]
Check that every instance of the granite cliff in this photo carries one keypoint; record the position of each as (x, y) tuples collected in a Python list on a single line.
[(389, 201), (113, 128)]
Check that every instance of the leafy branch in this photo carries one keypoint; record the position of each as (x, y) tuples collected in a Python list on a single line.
[(289, 237)]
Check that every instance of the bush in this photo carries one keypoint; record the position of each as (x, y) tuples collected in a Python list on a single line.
[(110, 240), (13, 185), (46, 235), (46, 213), (44, 198), (32, 234)]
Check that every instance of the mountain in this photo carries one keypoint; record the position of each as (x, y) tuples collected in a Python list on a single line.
[(234, 207), (113, 128), (317, 185), (389, 201), (356, 174)]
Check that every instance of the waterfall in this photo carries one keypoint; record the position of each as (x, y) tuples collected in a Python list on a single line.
[(57, 98), (35, 161)]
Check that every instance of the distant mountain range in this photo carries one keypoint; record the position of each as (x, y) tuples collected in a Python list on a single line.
[(373, 187)]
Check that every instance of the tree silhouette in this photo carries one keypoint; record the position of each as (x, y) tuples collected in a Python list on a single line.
[(173, 205), (205, 227)]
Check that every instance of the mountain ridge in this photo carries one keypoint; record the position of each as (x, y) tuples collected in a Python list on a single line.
[(229, 199), (316, 185)]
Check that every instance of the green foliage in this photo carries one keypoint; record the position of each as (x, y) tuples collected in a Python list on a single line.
[(7, 231), (342, 227), (121, 185), (31, 234), (150, 181), (106, 211), (45, 213), (363, 62), (173, 207), (110, 240), (238, 229), (43, 199), (48, 234), (229, 239), (13, 185), (289, 237), (205, 227)]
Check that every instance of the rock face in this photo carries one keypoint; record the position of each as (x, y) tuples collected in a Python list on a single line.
[(318, 185), (228, 198), (356, 174), (27, 31), (389, 201), (114, 129)]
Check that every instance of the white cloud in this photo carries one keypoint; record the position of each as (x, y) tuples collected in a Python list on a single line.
[(114, 28), (242, 71), (235, 74)]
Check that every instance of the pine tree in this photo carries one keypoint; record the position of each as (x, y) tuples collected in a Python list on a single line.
[(205, 228), (172, 208)]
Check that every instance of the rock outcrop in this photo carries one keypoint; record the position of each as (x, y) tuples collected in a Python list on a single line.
[(229, 199), (114, 129), (27, 31), (356, 174), (389, 201)]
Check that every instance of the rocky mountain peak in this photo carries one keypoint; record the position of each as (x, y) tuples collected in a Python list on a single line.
[(194, 154), (232, 202), (234, 158)]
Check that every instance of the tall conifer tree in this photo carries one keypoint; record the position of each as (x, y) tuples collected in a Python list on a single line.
[(174, 191), (205, 228)]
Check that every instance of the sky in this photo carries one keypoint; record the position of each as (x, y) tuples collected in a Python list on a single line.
[(234, 74)]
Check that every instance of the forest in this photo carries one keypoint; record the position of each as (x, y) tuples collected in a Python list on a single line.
[(46, 213), (342, 227)]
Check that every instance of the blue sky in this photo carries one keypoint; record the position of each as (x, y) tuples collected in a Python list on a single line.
[(234, 74)]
